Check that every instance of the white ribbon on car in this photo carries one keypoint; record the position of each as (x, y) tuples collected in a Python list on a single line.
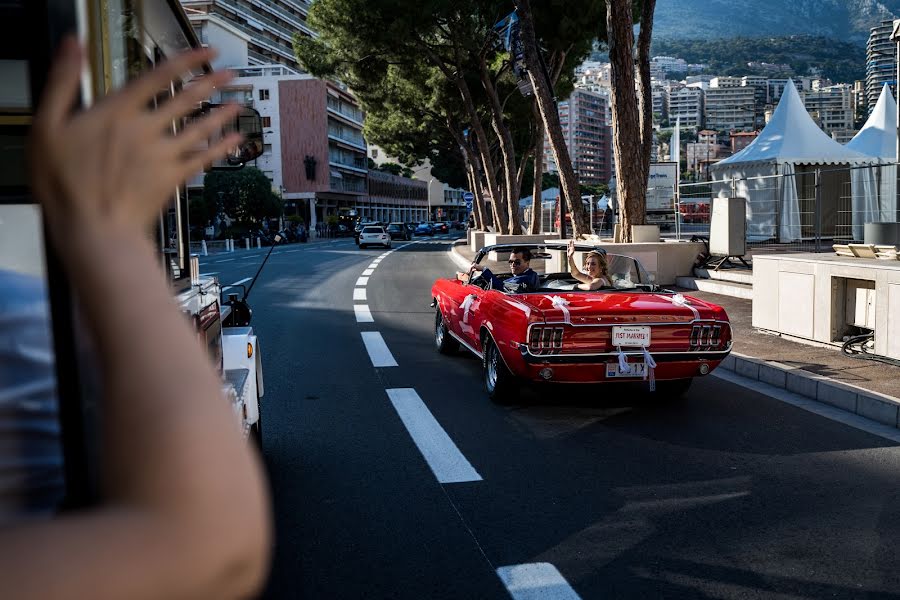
[(649, 372), (561, 303), (467, 305), (679, 300), (624, 367)]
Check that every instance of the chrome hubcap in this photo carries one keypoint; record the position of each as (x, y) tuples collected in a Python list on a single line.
[(492, 368), (439, 330)]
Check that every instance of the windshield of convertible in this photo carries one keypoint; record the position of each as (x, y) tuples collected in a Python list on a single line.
[(551, 264)]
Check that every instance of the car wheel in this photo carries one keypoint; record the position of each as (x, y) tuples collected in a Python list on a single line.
[(361, 246), (499, 383), (673, 388), (443, 341)]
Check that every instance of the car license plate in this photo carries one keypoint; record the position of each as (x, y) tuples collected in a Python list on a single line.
[(637, 370), (630, 336)]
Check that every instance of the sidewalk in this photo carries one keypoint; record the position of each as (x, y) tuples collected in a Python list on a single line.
[(870, 389)]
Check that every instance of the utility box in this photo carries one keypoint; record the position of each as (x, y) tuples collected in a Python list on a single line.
[(860, 303), (728, 227)]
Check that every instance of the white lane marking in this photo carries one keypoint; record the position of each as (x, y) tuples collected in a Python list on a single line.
[(374, 265), (359, 293), (819, 408), (446, 461), (536, 581), (362, 281), (244, 280), (378, 350), (289, 251), (209, 274), (368, 272), (221, 261), (363, 314)]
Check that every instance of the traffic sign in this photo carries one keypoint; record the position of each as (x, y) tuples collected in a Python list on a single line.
[(469, 197)]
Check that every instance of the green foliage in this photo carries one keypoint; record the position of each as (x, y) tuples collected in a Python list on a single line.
[(839, 61), (549, 180), (600, 189), (395, 169), (245, 195)]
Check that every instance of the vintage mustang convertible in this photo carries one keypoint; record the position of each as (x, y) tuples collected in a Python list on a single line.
[(630, 331)]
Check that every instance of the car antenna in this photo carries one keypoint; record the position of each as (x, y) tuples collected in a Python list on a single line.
[(277, 240)]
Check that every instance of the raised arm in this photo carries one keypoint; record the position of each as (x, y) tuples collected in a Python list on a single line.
[(573, 267), (185, 513)]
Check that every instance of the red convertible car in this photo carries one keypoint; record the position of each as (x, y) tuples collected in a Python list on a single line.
[(630, 331)]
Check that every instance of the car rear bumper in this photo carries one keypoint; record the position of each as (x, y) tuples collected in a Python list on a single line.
[(593, 369)]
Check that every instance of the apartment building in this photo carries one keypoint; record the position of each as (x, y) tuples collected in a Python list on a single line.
[(269, 26), (669, 64), (314, 151), (881, 56), (730, 105), (831, 107), (588, 136), (660, 97), (394, 198), (686, 104)]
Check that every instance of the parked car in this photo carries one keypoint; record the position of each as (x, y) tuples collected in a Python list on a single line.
[(441, 227), (632, 330), (359, 227), (374, 235), (424, 229), (398, 231)]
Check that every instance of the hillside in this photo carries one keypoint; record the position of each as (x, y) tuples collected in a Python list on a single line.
[(841, 62), (703, 19)]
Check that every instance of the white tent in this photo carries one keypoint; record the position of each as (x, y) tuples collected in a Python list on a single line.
[(878, 138), (789, 145)]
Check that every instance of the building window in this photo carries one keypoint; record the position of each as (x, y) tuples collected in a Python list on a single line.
[(263, 94), (267, 148), (267, 121), (374, 152)]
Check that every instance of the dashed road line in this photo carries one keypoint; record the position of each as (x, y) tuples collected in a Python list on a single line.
[(215, 262), (446, 461), (362, 282), (536, 581), (359, 293), (363, 314), (237, 283), (378, 350), (374, 265), (368, 272)]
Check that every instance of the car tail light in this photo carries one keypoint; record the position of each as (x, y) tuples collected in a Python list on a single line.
[(545, 338), (706, 337)]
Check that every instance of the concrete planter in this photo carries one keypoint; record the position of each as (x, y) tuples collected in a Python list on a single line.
[(476, 240), (492, 239), (644, 234)]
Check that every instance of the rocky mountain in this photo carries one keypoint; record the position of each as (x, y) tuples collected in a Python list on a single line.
[(848, 20)]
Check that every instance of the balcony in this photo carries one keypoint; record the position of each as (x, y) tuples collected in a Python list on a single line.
[(348, 112), (347, 137)]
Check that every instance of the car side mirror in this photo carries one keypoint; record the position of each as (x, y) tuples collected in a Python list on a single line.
[(248, 123)]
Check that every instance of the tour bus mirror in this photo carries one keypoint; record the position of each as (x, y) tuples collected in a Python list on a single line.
[(249, 124)]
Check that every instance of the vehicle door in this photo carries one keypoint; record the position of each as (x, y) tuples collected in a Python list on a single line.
[(472, 309)]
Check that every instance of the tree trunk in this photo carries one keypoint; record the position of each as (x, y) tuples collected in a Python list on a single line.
[(645, 90), (475, 186), (507, 151), (631, 187), (484, 151), (536, 206), (550, 117)]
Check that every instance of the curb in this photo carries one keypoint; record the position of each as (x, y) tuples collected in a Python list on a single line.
[(871, 405), (881, 408)]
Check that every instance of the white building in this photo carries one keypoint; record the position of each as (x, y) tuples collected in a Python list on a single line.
[(730, 105), (686, 103), (831, 107), (669, 64)]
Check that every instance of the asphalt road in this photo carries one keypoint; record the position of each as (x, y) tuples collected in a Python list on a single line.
[(383, 492)]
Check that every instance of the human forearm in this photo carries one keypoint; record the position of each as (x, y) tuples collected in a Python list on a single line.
[(171, 446)]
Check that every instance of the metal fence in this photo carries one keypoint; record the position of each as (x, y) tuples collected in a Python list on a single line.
[(805, 209)]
